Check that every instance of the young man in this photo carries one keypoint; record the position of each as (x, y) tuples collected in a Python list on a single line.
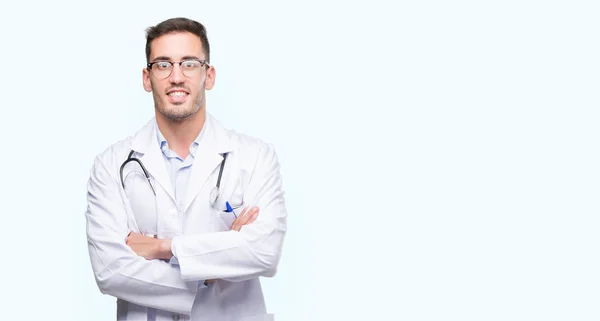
[(173, 223)]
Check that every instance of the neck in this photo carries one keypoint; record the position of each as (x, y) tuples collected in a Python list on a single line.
[(181, 133)]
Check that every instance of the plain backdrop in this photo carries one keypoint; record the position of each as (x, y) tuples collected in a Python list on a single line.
[(440, 158)]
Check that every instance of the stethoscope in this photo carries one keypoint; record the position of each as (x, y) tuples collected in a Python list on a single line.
[(214, 193)]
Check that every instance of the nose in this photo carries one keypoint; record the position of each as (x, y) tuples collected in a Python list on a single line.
[(177, 75)]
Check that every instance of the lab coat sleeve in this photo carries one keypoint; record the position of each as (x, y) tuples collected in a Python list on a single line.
[(253, 251), (118, 271)]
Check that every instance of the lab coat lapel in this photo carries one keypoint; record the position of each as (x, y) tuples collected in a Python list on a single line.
[(208, 158), (146, 143)]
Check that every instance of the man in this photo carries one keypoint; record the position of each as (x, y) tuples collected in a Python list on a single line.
[(173, 223)]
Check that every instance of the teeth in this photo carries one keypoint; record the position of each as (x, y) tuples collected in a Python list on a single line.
[(177, 93)]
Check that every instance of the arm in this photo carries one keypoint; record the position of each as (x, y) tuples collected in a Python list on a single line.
[(152, 248), (253, 251), (118, 270)]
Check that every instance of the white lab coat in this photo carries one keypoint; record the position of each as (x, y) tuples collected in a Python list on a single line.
[(204, 246)]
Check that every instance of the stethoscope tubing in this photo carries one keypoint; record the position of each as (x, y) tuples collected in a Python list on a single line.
[(137, 160)]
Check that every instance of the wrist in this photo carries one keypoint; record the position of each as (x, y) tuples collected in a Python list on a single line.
[(164, 249)]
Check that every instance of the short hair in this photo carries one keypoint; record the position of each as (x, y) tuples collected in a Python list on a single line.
[(177, 25)]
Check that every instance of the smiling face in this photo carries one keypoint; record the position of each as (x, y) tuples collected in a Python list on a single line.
[(181, 94)]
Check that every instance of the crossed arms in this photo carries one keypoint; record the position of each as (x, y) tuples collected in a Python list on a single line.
[(126, 264)]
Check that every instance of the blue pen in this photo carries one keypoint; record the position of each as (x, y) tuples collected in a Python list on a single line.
[(229, 209)]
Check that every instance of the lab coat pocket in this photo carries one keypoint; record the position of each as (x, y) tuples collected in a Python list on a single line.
[(227, 218)]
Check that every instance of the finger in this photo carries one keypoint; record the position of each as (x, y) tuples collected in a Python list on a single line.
[(254, 216), (237, 223), (244, 220), (131, 237), (243, 212), (247, 216)]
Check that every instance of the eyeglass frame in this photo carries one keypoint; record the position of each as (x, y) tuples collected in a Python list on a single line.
[(202, 62)]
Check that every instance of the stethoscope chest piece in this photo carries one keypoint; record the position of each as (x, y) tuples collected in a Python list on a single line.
[(216, 192), (213, 196)]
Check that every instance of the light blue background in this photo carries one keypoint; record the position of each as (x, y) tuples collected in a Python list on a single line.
[(441, 159)]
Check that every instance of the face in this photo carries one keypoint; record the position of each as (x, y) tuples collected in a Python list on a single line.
[(178, 96)]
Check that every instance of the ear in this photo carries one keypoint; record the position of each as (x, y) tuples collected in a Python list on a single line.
[(146, 80), (211, 75)]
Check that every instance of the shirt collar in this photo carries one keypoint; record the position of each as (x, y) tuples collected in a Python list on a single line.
[(164, 145)]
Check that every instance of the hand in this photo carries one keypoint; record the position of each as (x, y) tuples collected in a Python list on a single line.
[(246, 217), (149, 247)]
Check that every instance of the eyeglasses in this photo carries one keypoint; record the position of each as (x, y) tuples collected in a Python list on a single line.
[(190, 67)]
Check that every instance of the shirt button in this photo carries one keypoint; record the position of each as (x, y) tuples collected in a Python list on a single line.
[(176, 317)]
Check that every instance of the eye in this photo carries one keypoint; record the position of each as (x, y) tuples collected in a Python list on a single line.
[(163, 65), (190, 64)]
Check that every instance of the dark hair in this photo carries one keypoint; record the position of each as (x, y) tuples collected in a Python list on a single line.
[(177, 25)]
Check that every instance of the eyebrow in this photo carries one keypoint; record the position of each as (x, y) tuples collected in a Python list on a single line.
[(165, 58)]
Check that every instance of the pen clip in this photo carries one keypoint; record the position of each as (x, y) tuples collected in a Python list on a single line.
[(229, 209)]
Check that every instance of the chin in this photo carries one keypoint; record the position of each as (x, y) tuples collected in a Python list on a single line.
[(177, 112)]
